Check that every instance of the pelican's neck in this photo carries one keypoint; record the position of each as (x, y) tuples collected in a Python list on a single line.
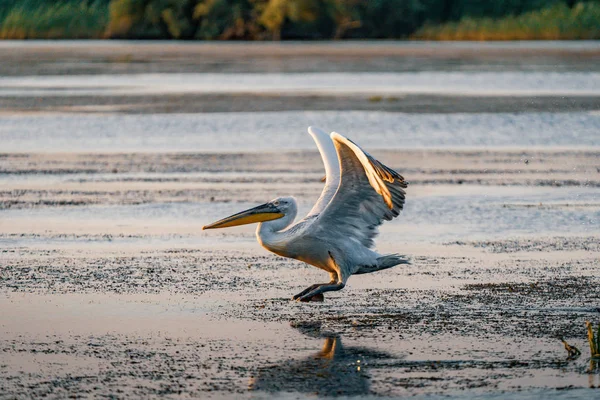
[(271, 234)]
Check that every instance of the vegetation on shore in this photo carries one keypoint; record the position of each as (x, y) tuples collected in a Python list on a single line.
[(35, 19), (552, 23), (300, 19)]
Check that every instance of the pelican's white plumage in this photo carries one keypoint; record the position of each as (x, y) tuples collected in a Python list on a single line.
[(332, 168), (337, 234)]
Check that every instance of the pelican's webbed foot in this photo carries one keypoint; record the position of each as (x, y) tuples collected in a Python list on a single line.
[(318, 290), (317, 298), (308, 289)]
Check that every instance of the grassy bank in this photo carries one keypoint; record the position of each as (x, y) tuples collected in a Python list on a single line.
[(300, 19), (557, 22), (31, 19)]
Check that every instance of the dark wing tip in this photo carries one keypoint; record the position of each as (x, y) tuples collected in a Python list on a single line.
[(395, 183), (386, 173)]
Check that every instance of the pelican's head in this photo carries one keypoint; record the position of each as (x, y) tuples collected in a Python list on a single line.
[(274, 209)]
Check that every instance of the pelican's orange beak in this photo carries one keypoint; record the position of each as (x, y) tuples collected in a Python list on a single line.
[(262, 213)]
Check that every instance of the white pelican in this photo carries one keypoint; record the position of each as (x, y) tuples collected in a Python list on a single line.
[(337, 234)]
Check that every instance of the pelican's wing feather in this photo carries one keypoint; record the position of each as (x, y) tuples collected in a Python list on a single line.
[(332, 168), (368, 193)]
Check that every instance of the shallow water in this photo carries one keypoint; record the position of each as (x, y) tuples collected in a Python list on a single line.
[(498, 213), (446, 83), (231, 132)]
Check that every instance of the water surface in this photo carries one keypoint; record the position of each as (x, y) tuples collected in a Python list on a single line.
[(279, 131)]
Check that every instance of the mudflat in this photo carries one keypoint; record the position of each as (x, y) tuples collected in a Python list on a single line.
[(109, 288)]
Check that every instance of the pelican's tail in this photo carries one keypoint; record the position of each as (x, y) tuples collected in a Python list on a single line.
[(384, 262)]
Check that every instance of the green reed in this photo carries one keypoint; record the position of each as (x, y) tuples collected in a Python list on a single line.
[(557, 22)]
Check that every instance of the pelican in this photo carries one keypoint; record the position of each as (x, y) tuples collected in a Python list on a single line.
[(337, 234)]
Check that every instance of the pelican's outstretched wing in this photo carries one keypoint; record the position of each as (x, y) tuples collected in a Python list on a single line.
[(332, 168), (368, 193)]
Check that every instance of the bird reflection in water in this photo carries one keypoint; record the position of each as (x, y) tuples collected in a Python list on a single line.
[(335, 370)]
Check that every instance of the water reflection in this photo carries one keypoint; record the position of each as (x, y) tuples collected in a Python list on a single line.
[(335, 370)]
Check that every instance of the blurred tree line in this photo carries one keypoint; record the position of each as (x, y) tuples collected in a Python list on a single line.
[(251, 19)]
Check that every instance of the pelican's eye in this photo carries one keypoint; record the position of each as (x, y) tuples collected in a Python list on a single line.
[(276, 203)]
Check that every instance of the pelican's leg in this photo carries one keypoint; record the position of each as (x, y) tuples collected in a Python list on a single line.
[(328, 287), (338, 282)]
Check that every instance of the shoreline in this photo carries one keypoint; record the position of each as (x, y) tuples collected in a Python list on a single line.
[(21, 58)]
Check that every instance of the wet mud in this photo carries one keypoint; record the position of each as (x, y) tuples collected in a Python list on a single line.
[(107, 304), (110, 289)]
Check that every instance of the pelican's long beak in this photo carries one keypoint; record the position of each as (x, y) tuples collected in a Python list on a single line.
[(265, 212)]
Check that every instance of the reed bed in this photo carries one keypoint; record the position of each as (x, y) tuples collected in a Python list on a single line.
[(557, 22)]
